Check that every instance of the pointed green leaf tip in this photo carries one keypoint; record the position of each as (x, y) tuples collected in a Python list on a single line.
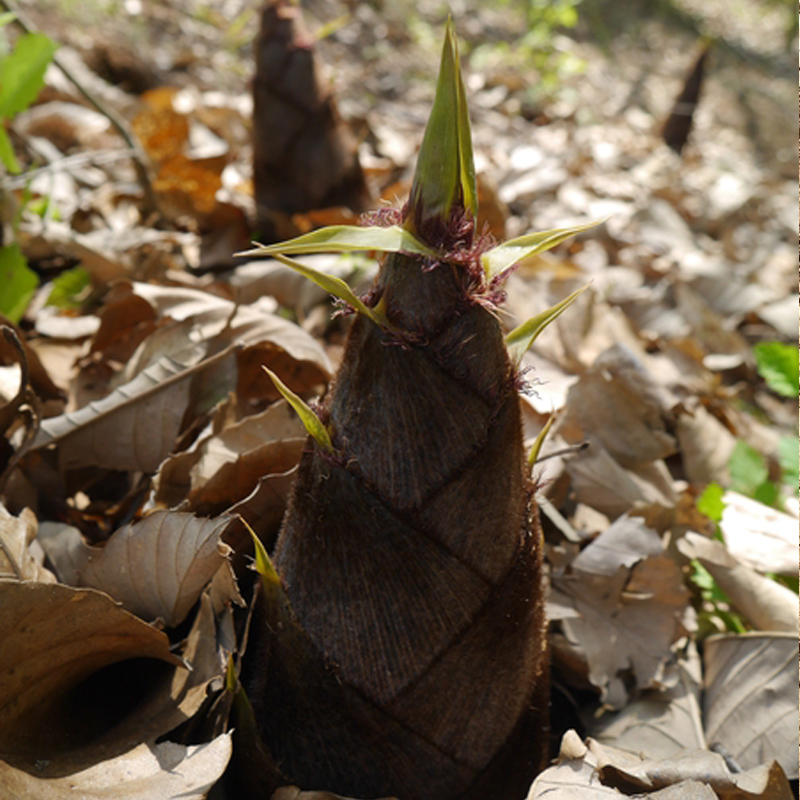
[(523, 336), (310, 420), (445, 174), (263, 563)]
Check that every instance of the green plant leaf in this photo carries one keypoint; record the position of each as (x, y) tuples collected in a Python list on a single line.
[(7, 156), (335, 286), (748, 469), (779, 365), (523, 336), (17, 282), (500, 258), (711, 503), (22, 72), (445, 174), (346, 239), (69, 289), (536, 448), (310, 420), (263, 563), (789, 459)]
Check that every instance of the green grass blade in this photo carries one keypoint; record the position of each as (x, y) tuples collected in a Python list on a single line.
[(522, 337), (310, 420), (346, 239), (500, 258)]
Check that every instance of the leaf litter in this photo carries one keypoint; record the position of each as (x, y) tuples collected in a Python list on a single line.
[(156, 415)]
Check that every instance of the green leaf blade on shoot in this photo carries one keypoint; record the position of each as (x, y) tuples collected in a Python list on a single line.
[(504, 256), (346, 239), (536, 448), (779, 365), (445, 173), (263, 563), (310, 420), (523, 336), (335, 286)]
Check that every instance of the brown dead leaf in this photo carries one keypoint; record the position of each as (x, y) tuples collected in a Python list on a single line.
[(759, 536), (750, 701), (617, 403), (658, 724), (158, 567), (616, 768), (134, 427), (54, 637), (164, 771), (627, 592), (600, 482), (16, 559), (766, 604)]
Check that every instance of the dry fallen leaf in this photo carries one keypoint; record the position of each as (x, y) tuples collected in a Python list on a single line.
[(631, 604), (54, 637), (658, 723), (766, 604), (759, 536), (134, 427), (750, 701), (158, 567), (164, 771), (16, 559)]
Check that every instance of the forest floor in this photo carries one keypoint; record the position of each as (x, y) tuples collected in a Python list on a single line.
[(668, 483)]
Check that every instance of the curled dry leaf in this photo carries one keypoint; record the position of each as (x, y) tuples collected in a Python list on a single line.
[(134, 427), (16, 559), (223, 467), (164, 771), (626, 591), (618, 768), (767, 605), (54, 637), (750, 699), (158, 567)]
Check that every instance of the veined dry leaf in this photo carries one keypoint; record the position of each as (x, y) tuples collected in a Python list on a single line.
[(659, 724), (16, 559), (617, 768), (66, 549), (627, 591), (158, 567), (766, 604), (164, 771), (759, 536), (134, 427), (750, 700), (600, 482), (617, 402), (225, 466), (54, 637)]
